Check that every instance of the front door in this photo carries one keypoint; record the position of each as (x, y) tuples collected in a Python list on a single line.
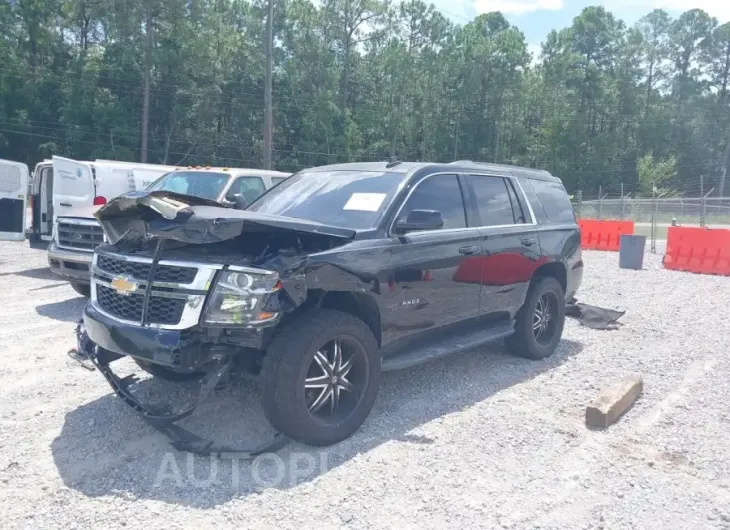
[(429, 295), (14, 181)]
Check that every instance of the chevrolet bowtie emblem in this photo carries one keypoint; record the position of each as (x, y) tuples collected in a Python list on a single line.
[(124, 285)]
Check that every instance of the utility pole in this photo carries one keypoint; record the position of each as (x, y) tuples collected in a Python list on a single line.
[(268, 113), (147, 80)]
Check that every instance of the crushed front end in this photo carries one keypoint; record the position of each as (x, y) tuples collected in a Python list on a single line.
[(152, 312), (176, 289)]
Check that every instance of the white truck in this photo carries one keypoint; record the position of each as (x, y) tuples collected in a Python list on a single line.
[(77, 233), (64, 194)]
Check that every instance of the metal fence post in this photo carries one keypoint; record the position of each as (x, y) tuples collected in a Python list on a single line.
[(600, 202), (653, 217), (623, 213), (580, 202), (702, 200)]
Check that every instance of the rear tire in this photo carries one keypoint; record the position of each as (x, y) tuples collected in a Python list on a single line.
[(301, 377), (163, 372), (536, 337), (84, 289)]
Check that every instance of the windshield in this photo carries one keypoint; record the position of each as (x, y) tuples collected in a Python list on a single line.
[(198, 183), (348, 199)]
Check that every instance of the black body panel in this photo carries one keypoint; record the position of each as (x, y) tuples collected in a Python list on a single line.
[(412, 289)]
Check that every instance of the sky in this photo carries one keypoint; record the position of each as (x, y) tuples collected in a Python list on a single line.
[(537, 17)]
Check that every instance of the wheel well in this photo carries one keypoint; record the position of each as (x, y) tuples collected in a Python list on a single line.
[(553, 270), (360, 305)]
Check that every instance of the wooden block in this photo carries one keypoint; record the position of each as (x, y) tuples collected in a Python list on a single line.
[(613, 401)]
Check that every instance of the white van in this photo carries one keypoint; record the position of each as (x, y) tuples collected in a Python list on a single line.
[(82, 184), (14, 182), (77, 233), (60, 186)]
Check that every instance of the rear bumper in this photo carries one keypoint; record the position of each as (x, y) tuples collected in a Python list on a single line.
[(73, 266), (177, 349)]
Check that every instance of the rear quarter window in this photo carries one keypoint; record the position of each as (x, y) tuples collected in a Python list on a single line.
[(554, 200)]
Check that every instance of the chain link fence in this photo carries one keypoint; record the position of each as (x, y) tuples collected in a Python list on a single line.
[(652, 215), (686, 211)]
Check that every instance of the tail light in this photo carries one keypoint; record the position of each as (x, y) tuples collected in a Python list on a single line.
[(100, 200)]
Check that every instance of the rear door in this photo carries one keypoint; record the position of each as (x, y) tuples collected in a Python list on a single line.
[(73, 185), (510, 245), (14, 182)]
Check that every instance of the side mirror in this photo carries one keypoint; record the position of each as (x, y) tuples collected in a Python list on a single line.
[(239, 202), (420, 220)]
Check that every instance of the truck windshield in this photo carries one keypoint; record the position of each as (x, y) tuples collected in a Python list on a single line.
[(348, 199), (203, 184)]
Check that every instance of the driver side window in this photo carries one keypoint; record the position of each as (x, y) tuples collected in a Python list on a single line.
[(442, 193), (249, 187)]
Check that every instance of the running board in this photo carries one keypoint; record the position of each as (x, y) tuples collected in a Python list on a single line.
[(450, 344)]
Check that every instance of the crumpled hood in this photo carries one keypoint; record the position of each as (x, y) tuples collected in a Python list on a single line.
[(190, 219)]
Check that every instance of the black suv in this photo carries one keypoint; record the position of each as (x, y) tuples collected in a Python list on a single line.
[(328, 279)]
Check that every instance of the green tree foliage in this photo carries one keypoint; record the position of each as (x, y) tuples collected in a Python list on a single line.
[(655, 174), (603, 104)]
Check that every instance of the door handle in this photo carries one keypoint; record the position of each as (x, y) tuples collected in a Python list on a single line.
[(468, 251), (528, 241), (65, 204)]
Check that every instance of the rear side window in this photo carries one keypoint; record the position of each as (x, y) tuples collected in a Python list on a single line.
[(495, 200), (554, 200)]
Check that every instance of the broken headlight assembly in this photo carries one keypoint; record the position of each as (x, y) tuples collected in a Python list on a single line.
[(240, 297)]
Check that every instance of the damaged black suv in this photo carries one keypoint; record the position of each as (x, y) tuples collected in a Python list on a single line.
[(327, 280)]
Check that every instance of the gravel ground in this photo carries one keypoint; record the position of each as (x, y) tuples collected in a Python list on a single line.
[(476, 440)]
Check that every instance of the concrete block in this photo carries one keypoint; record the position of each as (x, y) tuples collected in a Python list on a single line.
[(613, 401)]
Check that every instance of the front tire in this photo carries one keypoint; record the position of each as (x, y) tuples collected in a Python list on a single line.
[(540, 321), (320, 377)]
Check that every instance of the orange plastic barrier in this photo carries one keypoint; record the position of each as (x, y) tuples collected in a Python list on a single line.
[(599, 234), (695, 249)]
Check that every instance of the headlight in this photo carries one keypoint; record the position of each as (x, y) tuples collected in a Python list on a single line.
[(239, 298)]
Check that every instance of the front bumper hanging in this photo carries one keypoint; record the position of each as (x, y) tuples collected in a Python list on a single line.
[(91, 356)]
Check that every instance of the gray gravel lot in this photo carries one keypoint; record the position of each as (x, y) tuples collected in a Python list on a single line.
[(480, 439)]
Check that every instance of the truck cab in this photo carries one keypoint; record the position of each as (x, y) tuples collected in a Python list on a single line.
[(77, 233)]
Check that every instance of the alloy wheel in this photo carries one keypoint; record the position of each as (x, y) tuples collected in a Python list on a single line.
[(336, 380), (544, 319)]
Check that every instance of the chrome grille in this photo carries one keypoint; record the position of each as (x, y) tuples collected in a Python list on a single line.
[(78, 234), (129, 307), (135, 269), (119, 284)]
